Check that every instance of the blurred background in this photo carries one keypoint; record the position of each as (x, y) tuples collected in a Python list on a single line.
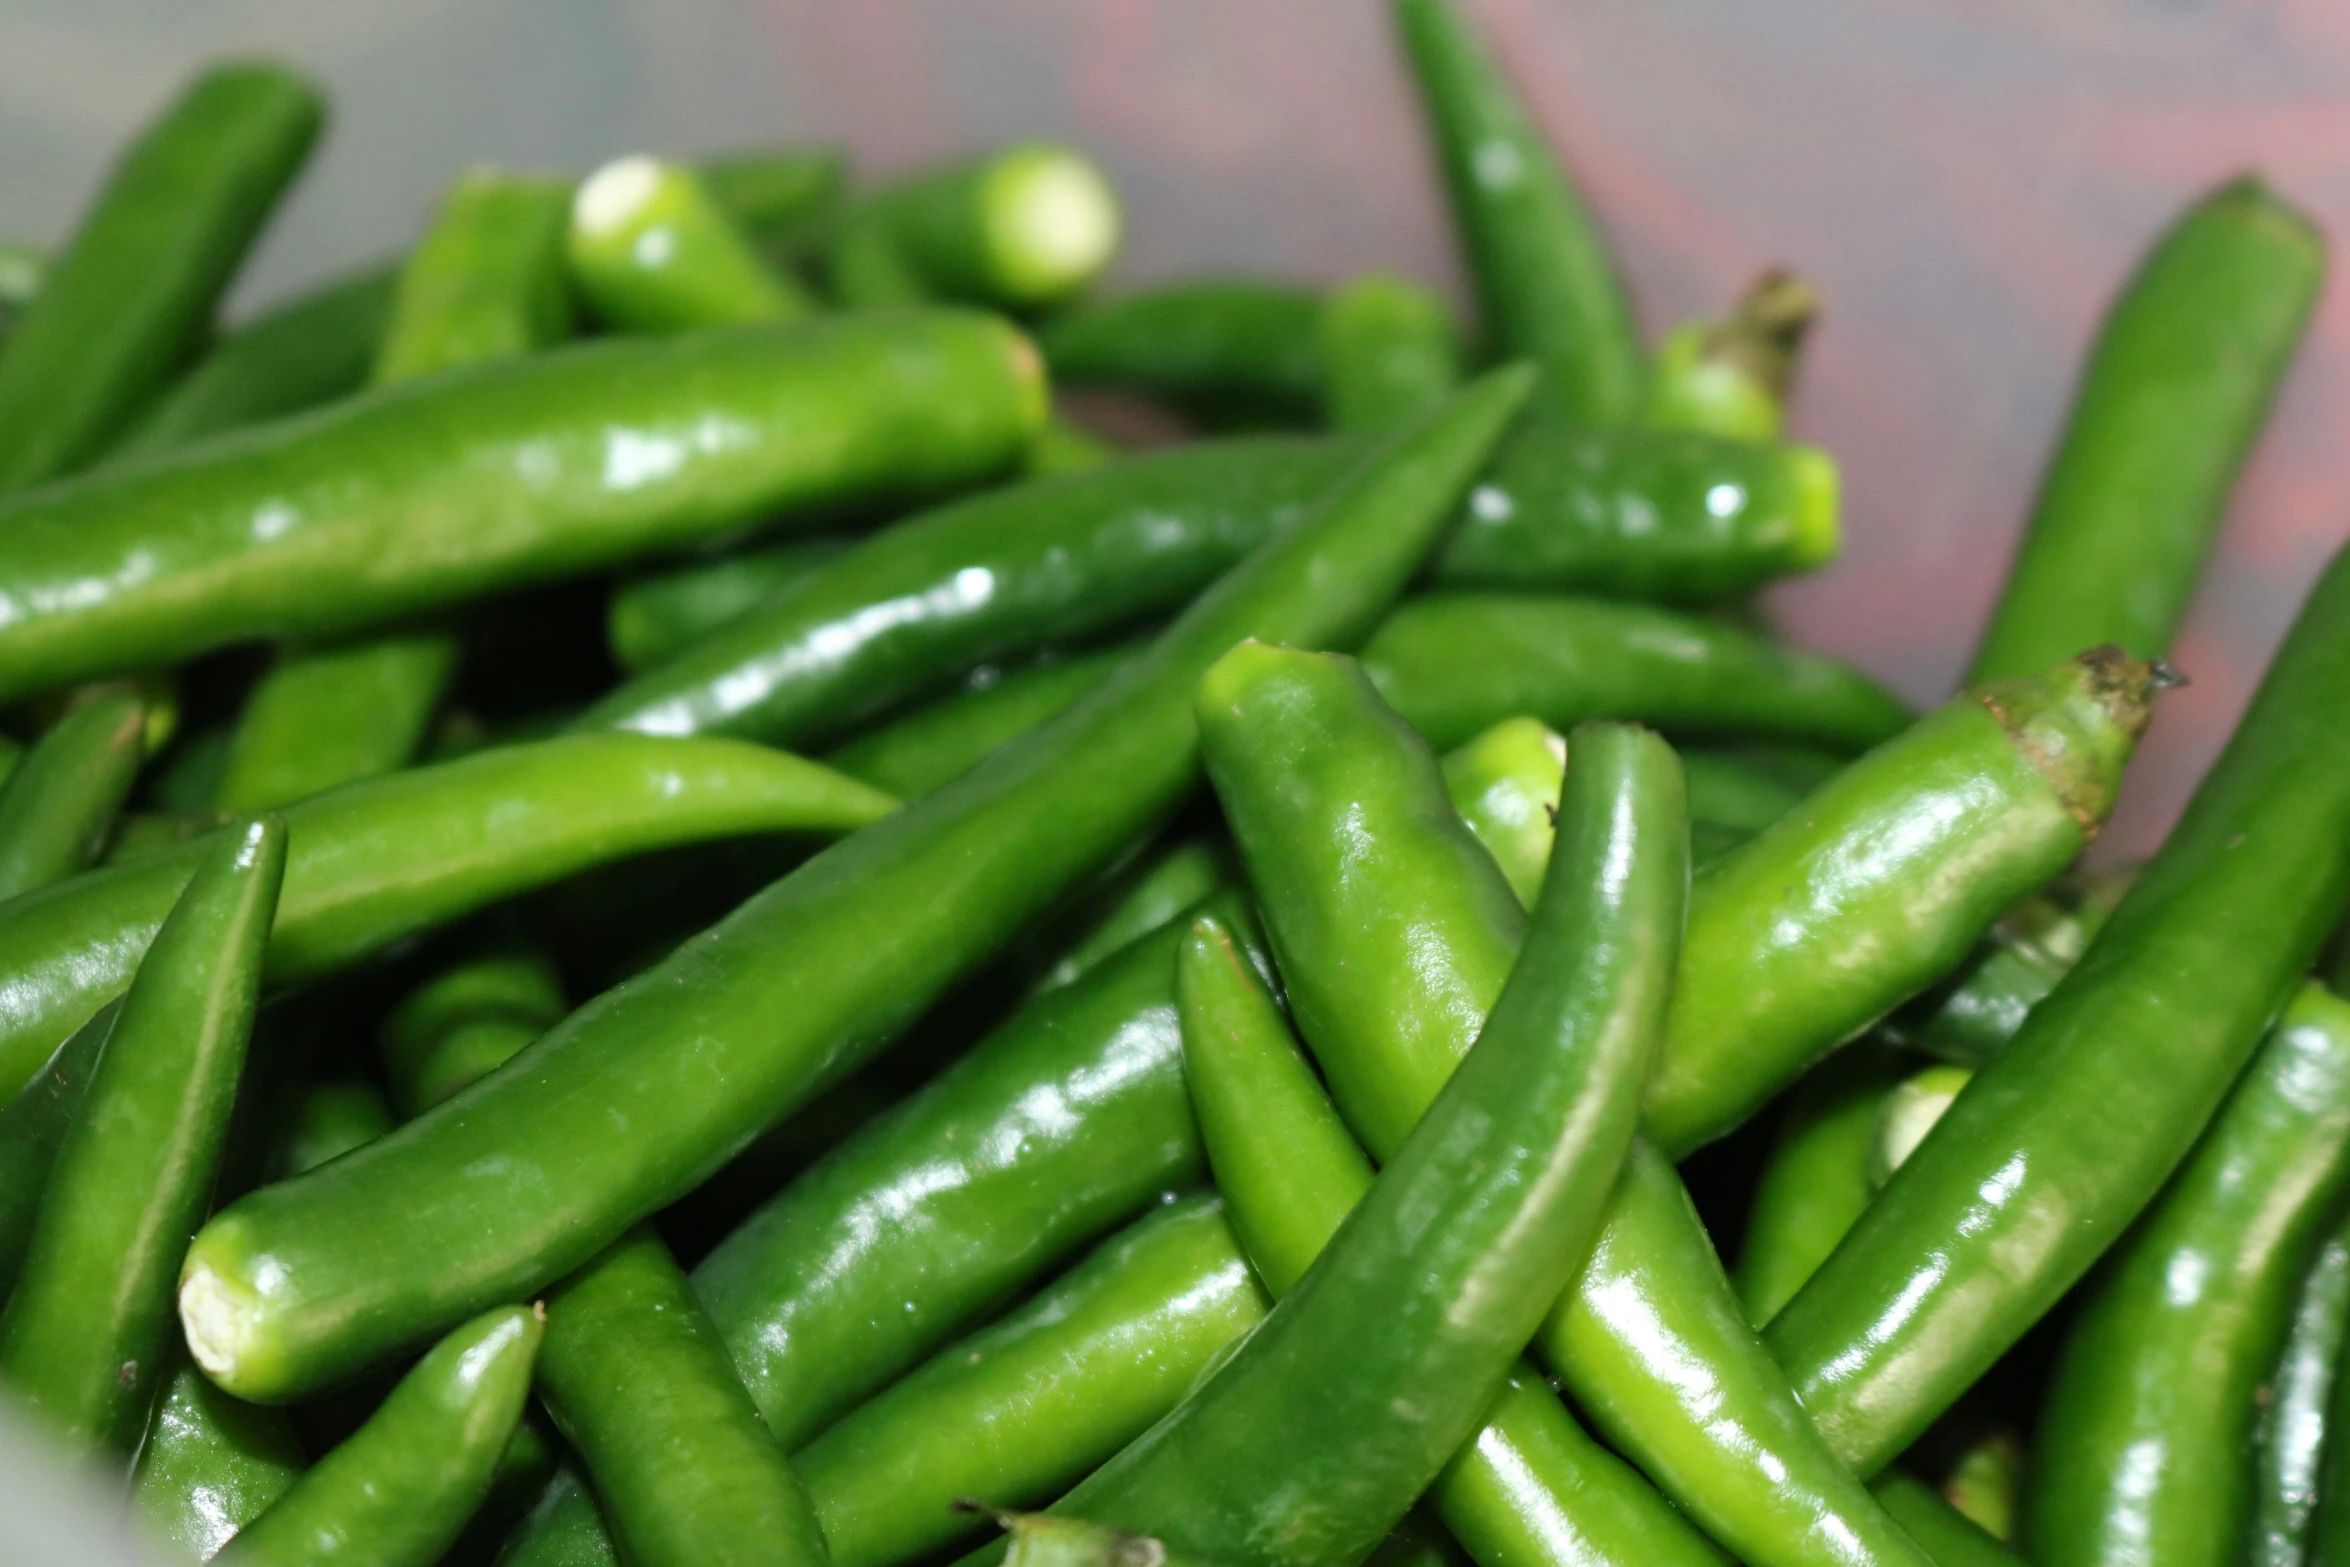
[(1968, 180)]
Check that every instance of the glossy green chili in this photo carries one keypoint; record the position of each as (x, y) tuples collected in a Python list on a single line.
[(2071, 1130), (328, 715), (1546, 285), (2294, 1431), (1067, 1119), (1914, 1107), (1730, 377), (1969, 1018), (1025, 226), (398, 1492), (2172, 397), (210, 1464), (1026, 1406), (83, 1336), (1505, 783), (942, 740), (1531, 1486), (2150, 1415), (389, 857), (1215, 346), (636, 1378), (650, 249), (467, 1021), (134, 289), (1145, 895), (32, 1126), (1816, 1181), (524, 469), (653, 618), (1985, 1484), (1950, 1537), (1392, 352), (793, 988), (59, 802)]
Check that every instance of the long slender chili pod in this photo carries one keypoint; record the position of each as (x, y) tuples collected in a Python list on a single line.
[(1313, 1440), (1392, 350), (211, 1464), (940, 741), (1458, 662), (1209, 345), (2174, 394), (1548, 288), (2296, 1424), (651, 250), (467, 1021), (388, 857), (524, 469), (1816, 1181), (1949, 1536), (2150, 1415), (284, 1291), (639, 1384), (82, 1340), (2067, 1135), (1029, 1404), (1730, 377), (485, 282), (324, 716), (32, 1126), (398, 1491), (1531, 1486), (654, 617), (1394, 931), (59, 803), (132, 291), (1505, 783)]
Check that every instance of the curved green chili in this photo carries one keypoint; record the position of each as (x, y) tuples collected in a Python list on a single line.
[(794, 987), (400, 1489), (1392, 352), (82, 1339), (59, 802), (2070, 1131), (1028, 225), (2153, 1405), (1456, 663), (1548, 289), (504, 473), (2173, 395), (1216, 346), (2295, 1428), (652, 250), (210, 1464), (654, 617), (1816, 1181), (135, 288), (1730, 377), (388, 857)]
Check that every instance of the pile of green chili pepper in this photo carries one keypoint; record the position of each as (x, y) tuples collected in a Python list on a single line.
[(654, 911)]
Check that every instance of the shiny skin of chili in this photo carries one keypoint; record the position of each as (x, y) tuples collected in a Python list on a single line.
[(83, 1336), (2174, 393), (210, 1465), (1454, 663), (795, 986), (1530, 1486), (941, 740), (399, 1489), (2296, 1421), (525, 469), (391, 856), (135, 288), (1394, 932), (641, 1386), (1316, 1436), (2059, 1143), (1816, 1181), (2142, 1440), (655, 616), (1028, 1405)]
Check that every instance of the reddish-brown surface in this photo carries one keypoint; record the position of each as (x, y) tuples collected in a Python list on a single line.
[(1967, 181)]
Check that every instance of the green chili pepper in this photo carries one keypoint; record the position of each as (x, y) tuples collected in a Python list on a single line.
[(1545, 282), (32, 1125), (1986, 1484), (1220, 345), (389, 857), (2294, 1431), (1950, 1537), (1026, 226), (651, 250), (210, 1464), (22, 269), (562, 1529), (325, 716), (793, 988), (2329, 1526), (1970, 1018), (1530, 1486), (783, 196), (2152, 1408), (1735, 796), (2169, 403), (864, 268), (1816, 1181), (1394, 932), (523, 469), (1062, 1372), (60, 801), (937, 743), (638, 1382), (399, 1491), (308, 351), (1909, 1112), (330, 1119), (1795, 946), (1392, 353), (1730, 377), (2070, 1131), (83, 1337), (1041, 1540), (653, 618), (133, 291), (1063, 447), (1314, 1438), (466, 1022), (1505, 783), (1066, 1120), (1145, 895)]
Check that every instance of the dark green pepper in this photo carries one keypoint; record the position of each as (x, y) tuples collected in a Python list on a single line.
[(1816, 1181), (652, 250), (59, 802), (1219, 346), (657, 616), (32, 1126), (2295, 1430)]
